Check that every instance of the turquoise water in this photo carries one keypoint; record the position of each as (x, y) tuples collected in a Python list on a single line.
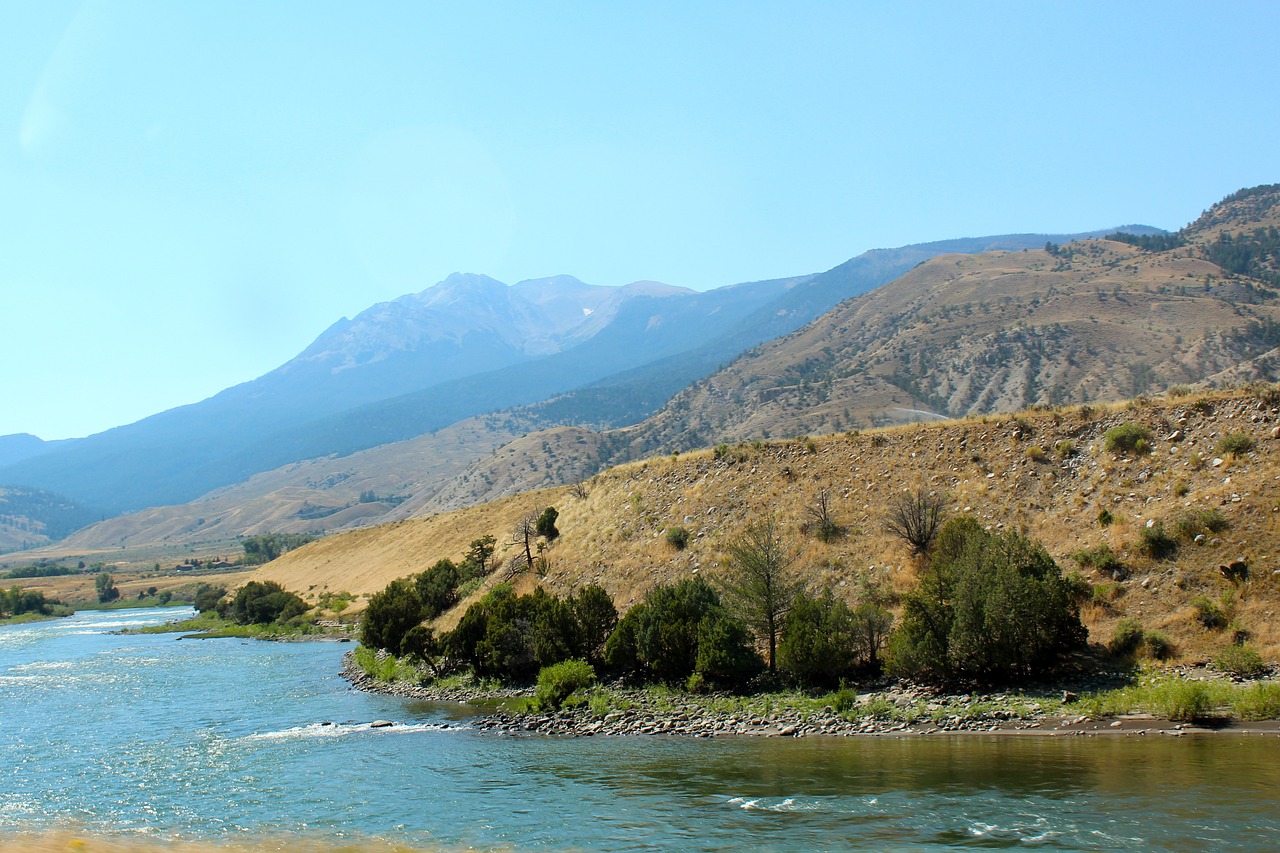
[(221, 739)]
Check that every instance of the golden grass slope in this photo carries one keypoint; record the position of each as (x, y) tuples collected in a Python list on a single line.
[(1011, 473)]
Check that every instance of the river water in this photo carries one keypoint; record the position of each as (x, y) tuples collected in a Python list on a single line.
[(216, 740)]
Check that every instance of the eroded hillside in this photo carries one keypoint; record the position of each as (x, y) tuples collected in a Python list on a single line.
[(1046, 473)]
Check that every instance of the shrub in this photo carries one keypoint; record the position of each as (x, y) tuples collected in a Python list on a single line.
[(1127, 438), (1156, 543), (1103, 559), (545, 526), (1209, 614), (677, 537), (1105, 518), (1183, 700), (1158, 645), (1104, 594), (1126, 639), (992, 607), (1036, 453), (392, 611), (1236, 443), (1193, 522), (263, 602), (1240, 661), (818, 640), (663, 636), (1064, 449), (557, 682), (1258, 701)]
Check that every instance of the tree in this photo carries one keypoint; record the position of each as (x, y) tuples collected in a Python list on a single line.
[(391, 614), (677, 630), (105, 584), (758, 586), (818, 640), (992, 607), (523, 536), (915, 518), (822, 522), (263, 602), (479, 554), (437, 589), (545, 526), (595, 616), (207, 597)]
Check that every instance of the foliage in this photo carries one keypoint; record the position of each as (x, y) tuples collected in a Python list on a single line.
[(1193, 522), (545, 526), (557, 682), (1127, 438), (105, 584), (1158, 645), (207, 597), (1103, 559), (263, 602), (992, 607), (1105, 518), (678, 537), (511, 637), (818, 640), (38, 571), (916, 517), (16, 601), (436, 589), (479, 553), (1209, 613), (391, 613), (1156, 543), (1126, 639), (1150, 242), (1240, 661), (1237, 443), (759, 586), (268, 546), (662, 637)]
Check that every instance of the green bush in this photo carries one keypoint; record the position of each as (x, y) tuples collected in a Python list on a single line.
[(263, 602), (557, 682), (1209, 614), (818, 640), (1158, 645), (1240, 661), (1064, 449), (678, 630), (1236, 443), (1127, 438), (1156, 543), (1193, 522), (1185, 701), (1103, 559), (991, 607), (677, 537), (1126, 639), (1105, 518), (1258, 701)]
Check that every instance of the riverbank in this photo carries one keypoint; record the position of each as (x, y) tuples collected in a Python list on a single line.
[(892, 710)]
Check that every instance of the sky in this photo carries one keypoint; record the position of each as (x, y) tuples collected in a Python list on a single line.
[(190, 193)]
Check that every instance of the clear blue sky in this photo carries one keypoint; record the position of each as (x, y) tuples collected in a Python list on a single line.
[(190, 192)]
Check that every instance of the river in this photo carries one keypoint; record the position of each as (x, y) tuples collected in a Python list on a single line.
[(214, 740)]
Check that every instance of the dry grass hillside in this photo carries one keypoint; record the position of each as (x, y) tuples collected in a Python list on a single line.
[(1046, 473), (1096, 320)]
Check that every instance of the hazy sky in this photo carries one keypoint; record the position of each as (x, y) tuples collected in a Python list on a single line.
[(190, 192)]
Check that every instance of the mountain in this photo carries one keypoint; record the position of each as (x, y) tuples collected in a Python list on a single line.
[(1090, 320), (30, 518), (464, 347), (15, 448)]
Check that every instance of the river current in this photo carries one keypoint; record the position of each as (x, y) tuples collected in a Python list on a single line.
[(217, 740)]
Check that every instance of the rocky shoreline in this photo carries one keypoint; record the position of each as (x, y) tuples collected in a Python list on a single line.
[(643, 712)]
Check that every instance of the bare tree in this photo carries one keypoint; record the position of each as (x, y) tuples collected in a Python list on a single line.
[(915, 517), (759, 586), (525, 537), (821, 521)]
